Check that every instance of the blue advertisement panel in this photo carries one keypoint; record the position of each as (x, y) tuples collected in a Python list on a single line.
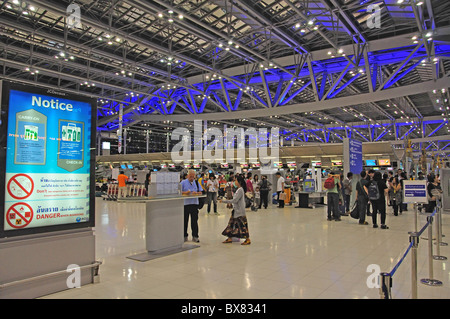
[(355, 156), (47, 160)]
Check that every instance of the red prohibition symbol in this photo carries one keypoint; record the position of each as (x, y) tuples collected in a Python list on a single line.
[(19, 215), (20, 186)]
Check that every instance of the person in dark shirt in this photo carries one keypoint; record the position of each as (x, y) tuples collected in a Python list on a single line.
[(362, 197), (432, 190), (379, 205), (369, 177)]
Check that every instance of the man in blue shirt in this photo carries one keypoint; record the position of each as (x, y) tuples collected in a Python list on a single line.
[(190, 187)]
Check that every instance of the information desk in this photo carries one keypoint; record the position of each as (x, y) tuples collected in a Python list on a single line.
[(310, 199), (164, 225)]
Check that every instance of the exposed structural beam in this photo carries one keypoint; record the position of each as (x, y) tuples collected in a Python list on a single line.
[(348, 24), (319, 55), (389, 81), (281, 35), (362, 98)]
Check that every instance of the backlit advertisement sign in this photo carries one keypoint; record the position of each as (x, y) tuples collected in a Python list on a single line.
[(46, 161)]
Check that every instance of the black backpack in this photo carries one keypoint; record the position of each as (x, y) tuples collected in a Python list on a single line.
[(374, 191), (201, 200), (264, 185)]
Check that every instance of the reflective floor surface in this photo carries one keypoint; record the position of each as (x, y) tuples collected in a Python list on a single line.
[(295, 253)]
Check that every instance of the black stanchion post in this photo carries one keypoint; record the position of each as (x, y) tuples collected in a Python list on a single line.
[(385, 285), (414, 239)]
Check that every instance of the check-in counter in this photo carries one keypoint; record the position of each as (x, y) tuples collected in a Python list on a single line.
[(310, 199)]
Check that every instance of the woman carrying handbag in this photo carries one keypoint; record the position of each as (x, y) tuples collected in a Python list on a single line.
[(237, 225)]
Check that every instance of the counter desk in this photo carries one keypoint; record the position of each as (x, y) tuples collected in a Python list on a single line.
[(310, 199), (164, 225)]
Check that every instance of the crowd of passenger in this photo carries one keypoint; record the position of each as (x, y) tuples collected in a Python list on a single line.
[(237, 190), (374, 193)]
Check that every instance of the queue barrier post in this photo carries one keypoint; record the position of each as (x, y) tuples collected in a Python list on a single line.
[(439, 208), (430, 281), (385, 285), (438, 255), (414, 239)]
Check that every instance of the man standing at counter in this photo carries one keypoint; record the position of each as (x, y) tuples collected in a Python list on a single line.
[(122, 179), (189, 186)]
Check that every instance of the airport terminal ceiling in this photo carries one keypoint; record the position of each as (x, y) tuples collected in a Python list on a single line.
[(320, 71)]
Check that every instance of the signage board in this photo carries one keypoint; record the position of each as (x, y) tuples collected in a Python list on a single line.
[(415, 191), (353, 156), (47, 161)]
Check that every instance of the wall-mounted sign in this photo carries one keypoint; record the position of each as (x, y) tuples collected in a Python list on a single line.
[(46, 161)]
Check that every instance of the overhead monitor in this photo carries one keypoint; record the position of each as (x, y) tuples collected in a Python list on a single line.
[(130, 166), (316, 164), (384, 162), (106, 145), (277, 164), (371, 162), (47, 161)]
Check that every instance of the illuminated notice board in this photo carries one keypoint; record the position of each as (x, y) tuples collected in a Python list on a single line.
[(47, 161)]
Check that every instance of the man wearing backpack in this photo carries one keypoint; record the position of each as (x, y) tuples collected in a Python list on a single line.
[(333, 196), (377, 195), (264, 188)]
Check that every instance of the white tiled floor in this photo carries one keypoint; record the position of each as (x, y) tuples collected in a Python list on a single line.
[(295, 253)]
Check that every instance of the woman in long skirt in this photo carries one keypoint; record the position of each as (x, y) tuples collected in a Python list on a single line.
[(237, 225)]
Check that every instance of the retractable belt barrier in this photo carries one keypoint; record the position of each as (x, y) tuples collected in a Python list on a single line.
[(386, 278), (133, 190)]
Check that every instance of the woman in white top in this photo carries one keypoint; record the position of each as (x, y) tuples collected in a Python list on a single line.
[(212, 187), (237, 225)]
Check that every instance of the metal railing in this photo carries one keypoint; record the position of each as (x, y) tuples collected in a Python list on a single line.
[(386, 278)]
